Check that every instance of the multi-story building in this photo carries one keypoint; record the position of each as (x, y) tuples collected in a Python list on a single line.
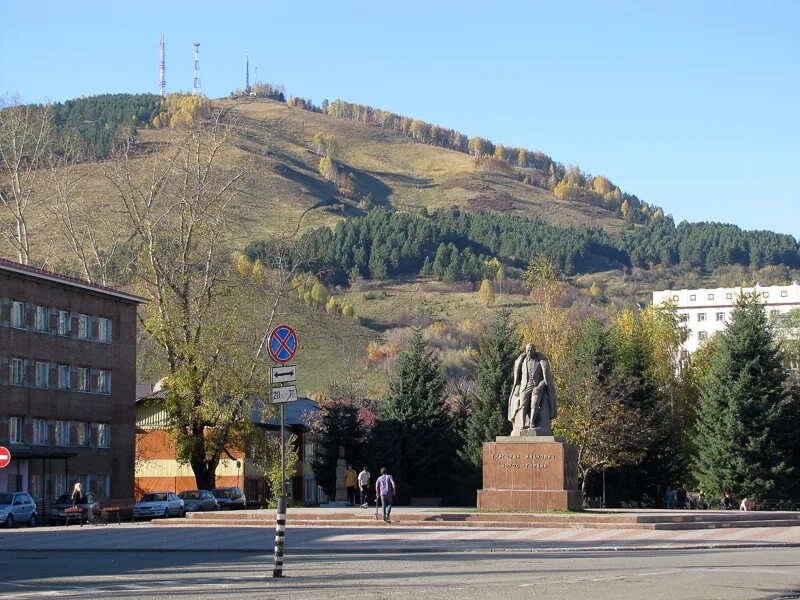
[(67, 384), (157, 467), (705, 312)]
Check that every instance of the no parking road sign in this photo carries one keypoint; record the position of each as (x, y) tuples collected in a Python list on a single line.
[(5, 457), (282, 344)]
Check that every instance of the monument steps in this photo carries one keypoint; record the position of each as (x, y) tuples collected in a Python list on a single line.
[(664, 520)]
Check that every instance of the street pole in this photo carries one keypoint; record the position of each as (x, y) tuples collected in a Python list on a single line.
[(280, 517), (604, 486)]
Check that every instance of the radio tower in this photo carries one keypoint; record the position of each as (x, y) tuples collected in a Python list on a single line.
[(162, 82), (197, 91), (247, 77)]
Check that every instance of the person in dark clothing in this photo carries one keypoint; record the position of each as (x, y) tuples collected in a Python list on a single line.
[(680, 498), (77, 494), (727, 501)]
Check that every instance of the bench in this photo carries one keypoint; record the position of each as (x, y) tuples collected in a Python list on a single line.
[(109, 510), (74, 512)]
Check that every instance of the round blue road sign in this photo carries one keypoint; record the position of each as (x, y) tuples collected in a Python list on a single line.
[(282, 343)]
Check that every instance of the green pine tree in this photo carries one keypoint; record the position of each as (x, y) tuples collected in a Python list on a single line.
[(415, 438), (488, 408), (747, 419)]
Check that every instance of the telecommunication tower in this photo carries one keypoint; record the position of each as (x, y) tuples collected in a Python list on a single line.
[(247, 77), (197, 91), (162, 82)]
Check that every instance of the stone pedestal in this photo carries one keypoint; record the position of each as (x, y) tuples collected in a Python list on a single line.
[(530, 473)]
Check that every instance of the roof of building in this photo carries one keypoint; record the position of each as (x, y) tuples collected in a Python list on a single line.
[(299, 412), (36, 273)]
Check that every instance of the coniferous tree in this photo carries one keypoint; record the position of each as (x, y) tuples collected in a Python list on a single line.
[(414, 438), (488, 408), (747, 419)]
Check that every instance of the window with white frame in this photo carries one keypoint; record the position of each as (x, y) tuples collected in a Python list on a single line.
[(83, 433), (784, 294), (711, 296), (17, 314), (15, 430), (83, 379), (701, 317), (765, 294), (720, 316), (40, 432), (104, 330), (683, 317), (774, 312), (693, 297), (84, 327), (42, 374), (64, 382), (64, 322), (62, 433), (104, 382), (702, 335), (103, 435), (728, 296), (42, 320), (17, 374)]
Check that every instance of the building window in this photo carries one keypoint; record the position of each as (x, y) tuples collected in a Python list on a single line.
[(103, 435), (99, 485), (104, 330), (40, 432), (83, 379), (83, 434), (720, 316), (42, 320), (675, 298), (784, 293), (17, 314), (62, 433), (15, 430), (765, 294), (84, 327), (64, 323), (683, 317), (64, 382), (728, 296), (774, 312), (104, 382), (701, 335), (693, 297), (17, 375), (711, 296), (42, 374), (701, 317)]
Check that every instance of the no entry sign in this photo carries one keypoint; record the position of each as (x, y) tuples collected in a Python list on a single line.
[(282, 344), (5, 457)]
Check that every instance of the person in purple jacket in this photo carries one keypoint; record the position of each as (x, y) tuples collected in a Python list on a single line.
[(385, 489)]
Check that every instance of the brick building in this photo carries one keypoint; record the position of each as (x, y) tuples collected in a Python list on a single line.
[(157, 468), (67, 384)]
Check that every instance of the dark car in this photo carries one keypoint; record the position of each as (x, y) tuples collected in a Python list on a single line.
[(196, 500), (229, 498), (64, 501)]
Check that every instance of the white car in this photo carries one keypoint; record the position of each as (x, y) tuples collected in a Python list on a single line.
[(159, 504), (17, 507)]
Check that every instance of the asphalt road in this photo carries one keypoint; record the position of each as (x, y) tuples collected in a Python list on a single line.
[(726, 574)]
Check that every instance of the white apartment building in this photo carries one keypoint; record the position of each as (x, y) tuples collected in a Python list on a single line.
[(707, 311)]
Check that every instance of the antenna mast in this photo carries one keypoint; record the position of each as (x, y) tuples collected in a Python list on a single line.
[(162, 82), (197, 91), (247, 78)]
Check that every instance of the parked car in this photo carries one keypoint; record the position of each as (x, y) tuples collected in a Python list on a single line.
[(17, 507), (229, 498), (195, 500), (159, 504), (64, 501)]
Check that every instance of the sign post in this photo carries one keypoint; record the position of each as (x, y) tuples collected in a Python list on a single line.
[(5, 457), (282, 346)]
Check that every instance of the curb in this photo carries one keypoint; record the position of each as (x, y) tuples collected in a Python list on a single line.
[(431, 550)]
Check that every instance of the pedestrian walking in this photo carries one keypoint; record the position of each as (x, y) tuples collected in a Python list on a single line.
[(669, 498), (747, 504), (350, 480), (363, 483), (680, 498), (77, 494), (385, 489)]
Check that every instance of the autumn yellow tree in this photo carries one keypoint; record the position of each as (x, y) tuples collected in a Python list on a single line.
[(486, 293)]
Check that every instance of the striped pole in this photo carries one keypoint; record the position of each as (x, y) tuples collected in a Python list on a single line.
[(280, 535)]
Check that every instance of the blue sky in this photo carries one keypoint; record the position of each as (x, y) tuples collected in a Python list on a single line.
[(692, 106)]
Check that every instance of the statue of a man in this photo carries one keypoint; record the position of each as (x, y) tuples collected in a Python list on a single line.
[(532, 404)]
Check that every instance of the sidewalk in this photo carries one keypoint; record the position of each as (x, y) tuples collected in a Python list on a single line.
[(389, 539)]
